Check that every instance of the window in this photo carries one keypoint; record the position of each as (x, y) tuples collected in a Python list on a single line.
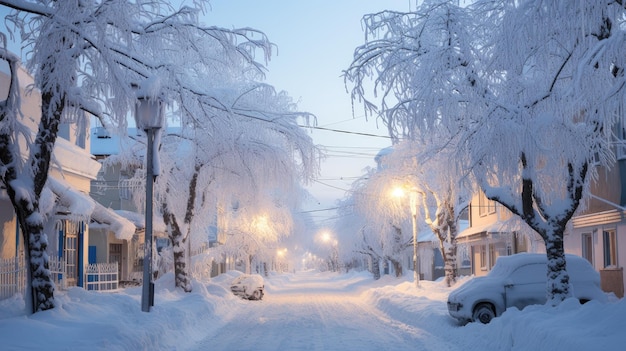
[(483, 257), (125, 189), (610, 248), (521, 243), (587, 247), (485, 206)]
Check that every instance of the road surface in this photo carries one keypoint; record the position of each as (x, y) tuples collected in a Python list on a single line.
[(312, 312)]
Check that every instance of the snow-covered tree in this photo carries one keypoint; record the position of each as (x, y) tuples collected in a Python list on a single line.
[(373, 223), (444, 197), (88, 56), (533, 91)]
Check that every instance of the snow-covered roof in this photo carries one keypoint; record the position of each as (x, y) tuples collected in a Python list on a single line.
[(74, 159), (78, 206), (120, 226), (139, 220), (427, 235), (81, 207), (495, 227)]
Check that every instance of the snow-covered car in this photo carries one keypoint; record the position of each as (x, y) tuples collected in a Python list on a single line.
[(248, 286), (519, 280)]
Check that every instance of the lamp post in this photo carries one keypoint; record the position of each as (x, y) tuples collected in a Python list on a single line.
[(399, 192), (413, 201), (149, 117)]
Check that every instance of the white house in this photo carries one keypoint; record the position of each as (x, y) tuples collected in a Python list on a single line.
[(65, 200)]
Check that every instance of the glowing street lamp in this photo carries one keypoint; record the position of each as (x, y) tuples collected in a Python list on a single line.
[(149, 117), (400, 192)]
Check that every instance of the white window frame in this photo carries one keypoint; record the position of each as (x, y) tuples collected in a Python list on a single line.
[(609, 247)]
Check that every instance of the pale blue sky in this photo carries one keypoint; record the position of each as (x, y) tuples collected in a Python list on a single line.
[(316, 41)]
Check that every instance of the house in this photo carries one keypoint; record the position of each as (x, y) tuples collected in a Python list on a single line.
[(65, 200), (112, 188), (598, 231), (492, 232)]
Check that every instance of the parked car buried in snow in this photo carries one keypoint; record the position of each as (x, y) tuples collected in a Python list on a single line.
[(248, 286), (518, 281)]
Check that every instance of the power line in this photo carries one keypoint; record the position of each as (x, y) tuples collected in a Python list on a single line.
[(346, 131), (331, 186), (320, 210)]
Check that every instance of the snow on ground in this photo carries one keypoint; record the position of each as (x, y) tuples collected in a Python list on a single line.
[(301, 311)]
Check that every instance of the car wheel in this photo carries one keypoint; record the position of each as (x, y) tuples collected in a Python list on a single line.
[(483, 313), (256, 295)]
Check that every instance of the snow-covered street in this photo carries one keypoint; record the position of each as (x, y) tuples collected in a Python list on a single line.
[(312, 311), (302, 311)]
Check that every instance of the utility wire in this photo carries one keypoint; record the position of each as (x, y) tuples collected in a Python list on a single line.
[(346, 131), (320, 210)]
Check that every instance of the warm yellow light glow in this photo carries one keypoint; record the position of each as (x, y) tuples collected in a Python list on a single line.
[(325, 237), (398, 192)]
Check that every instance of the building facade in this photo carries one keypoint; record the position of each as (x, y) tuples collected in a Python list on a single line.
[(65, 201)]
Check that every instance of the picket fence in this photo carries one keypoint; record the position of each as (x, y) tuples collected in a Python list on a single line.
[(98, 277), (12, 276), (101, 276)]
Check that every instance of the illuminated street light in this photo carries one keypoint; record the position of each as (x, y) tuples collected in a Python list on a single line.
[(149, 117), (328, 239), (400, 192)]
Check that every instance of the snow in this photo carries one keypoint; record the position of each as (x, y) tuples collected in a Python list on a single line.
[(301, 311), (78, 205), (81, 207)]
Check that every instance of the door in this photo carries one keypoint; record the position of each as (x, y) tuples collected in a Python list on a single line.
[(115, 255), (526, 285), (71, 253)]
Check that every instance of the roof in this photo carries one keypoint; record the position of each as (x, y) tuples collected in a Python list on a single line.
[(427, 235), (495, 227), (78, 206)]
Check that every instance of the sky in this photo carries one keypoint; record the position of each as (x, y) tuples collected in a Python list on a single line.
[(306, 310), (316, 42)]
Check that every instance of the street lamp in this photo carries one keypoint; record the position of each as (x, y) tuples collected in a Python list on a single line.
[(399, 192), (149, 117)]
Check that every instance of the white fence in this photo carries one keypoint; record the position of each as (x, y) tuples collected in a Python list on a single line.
[(57, 271), (12, 276), (97, 277), (101, 276)]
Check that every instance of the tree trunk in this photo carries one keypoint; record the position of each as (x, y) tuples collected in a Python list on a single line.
[(375, 266), (27, 207), (181, 275), (558, 279), (42, 286), (397, 267), (448, 251)]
